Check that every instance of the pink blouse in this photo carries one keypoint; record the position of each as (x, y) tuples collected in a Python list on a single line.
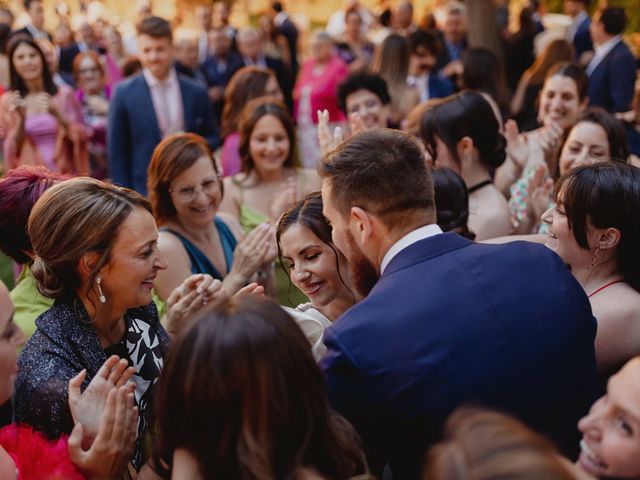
[(323, 88)]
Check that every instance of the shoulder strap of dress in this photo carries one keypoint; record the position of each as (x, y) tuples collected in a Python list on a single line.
[(228, 241), (200, 263)]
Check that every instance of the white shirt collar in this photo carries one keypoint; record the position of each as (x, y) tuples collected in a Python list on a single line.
[(581, 17), (279, 18), (409, 239), (154, 82), (607, 46), (260, 62), (601, 51)]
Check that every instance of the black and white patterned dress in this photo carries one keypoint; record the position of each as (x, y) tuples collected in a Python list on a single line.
[(66, 342)]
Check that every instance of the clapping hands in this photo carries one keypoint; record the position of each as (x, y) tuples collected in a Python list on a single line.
[(197, 292), (255, 250), (326, 139), (105, 418)]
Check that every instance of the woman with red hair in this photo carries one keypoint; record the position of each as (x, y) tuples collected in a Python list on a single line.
[(19, 191)]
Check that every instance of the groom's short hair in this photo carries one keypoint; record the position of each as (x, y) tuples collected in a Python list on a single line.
[(383, 172)]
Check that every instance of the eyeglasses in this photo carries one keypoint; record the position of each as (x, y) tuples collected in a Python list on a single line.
[(84, 71), (188, 193)]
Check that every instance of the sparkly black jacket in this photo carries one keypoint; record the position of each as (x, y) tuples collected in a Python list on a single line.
[(66, 342)]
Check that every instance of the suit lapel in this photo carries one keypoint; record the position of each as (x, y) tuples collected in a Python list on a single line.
[(146, 105), (187, 107)]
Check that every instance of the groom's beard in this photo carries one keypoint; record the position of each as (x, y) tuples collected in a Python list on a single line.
[(363, 273)]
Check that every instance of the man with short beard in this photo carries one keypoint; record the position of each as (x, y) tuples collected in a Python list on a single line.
[(448, 321)]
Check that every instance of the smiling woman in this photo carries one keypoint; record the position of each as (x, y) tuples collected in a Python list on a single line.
[(611, 431), (44, 121), (95, 253), (185, 189), (595, 228), (315, 266), (270, 180), (102, 286)]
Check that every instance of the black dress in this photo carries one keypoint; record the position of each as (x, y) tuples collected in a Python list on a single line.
[(66, 342)]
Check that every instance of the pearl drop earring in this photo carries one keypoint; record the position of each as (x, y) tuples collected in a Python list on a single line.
[(102, 298)]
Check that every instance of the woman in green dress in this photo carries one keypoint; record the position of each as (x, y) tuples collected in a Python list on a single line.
[(270, 179)]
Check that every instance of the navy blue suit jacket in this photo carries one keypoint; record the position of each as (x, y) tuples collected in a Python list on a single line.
[(612, 83), (582, 39), (452, 322), (289, 31), (217, 78), (439, 87), (133, 131)]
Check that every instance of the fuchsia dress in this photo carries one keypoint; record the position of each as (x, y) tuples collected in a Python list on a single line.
[(317, 90)]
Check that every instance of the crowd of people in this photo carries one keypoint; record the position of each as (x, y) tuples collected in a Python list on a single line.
[(372, 250)]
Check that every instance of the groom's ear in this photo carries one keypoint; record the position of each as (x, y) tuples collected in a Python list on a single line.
[(361, 224)]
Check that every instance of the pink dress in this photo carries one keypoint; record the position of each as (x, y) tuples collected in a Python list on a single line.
[(230, 155), (322, 88), (42, 130), (45, 143), (316, 91)]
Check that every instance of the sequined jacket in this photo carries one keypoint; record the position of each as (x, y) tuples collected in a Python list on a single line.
[(66, 342)]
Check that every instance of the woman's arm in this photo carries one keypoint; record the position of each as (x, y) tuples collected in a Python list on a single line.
[(12, 120), (618, 337)]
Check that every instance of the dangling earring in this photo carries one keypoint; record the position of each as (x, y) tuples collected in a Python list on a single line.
[(595, 258), (102, 298)]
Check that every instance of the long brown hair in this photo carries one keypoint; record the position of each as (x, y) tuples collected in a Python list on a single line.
[(251, 399), (246, 84), (558, 50), (71, 219), (254, 111)]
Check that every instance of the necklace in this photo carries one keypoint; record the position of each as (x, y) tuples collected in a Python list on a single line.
[(480, 185), (606, 285)]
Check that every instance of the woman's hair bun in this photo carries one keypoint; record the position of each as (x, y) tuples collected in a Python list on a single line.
[(48, 282), (499, 154)]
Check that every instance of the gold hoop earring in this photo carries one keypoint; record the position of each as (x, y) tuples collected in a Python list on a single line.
[(596, 254), (102, 298)]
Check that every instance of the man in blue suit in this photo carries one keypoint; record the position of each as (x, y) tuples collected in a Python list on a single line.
[(425, 49), (612, 71), (251, 48), (153, 105), (219, 68), (445, 321), (578, 32)]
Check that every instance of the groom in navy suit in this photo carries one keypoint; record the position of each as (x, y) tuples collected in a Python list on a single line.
[(445, 321), (152, 106)]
